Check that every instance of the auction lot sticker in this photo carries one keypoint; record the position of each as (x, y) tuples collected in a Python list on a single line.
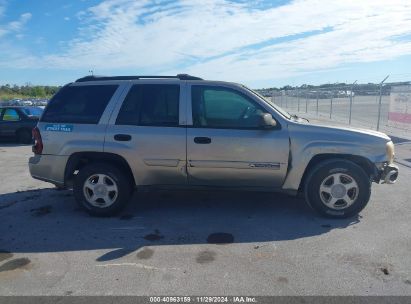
[(59, 128)]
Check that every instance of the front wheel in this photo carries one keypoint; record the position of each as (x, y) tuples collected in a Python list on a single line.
[(337, 188), (102, 189)]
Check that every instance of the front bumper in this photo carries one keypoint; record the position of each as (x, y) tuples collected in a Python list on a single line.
[(389, 174)]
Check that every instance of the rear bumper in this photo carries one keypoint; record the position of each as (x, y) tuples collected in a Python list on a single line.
[(48, 168), (389, 174)]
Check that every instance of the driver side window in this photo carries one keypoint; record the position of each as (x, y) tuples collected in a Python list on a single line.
[(219, 107)]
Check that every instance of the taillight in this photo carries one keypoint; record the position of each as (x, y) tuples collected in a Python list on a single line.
[(37, 148)]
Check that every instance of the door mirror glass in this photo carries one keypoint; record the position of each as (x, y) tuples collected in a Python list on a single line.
[(267, 121)]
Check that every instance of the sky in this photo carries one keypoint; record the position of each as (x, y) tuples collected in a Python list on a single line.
[(258, 43)]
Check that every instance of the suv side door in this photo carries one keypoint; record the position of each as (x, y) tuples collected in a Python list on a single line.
[(147, 129), (226, 145)]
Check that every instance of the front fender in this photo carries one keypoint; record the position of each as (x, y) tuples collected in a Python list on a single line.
[(302, 154)]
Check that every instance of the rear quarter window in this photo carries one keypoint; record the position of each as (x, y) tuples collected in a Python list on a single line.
[(79, 104)]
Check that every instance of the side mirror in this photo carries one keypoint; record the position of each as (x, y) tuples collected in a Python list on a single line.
[(267, 121)]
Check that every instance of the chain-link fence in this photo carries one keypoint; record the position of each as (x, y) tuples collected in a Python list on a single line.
[(366, 106)]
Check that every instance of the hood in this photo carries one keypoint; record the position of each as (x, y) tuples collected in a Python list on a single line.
[(313, 132), (355, 131)]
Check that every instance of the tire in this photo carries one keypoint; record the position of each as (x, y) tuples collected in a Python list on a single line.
[(101, 189), (337, 188), (24, 137)]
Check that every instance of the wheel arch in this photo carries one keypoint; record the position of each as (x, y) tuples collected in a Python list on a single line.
[(361, 161), (78, 160)]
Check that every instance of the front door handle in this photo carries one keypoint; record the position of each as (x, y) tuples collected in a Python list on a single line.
[(202, 140), (122, 137)]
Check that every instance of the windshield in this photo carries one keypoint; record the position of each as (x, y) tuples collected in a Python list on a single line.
[(33, 111), (272, 104)]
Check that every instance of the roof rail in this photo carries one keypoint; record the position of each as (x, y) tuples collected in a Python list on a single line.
[(99, 78)]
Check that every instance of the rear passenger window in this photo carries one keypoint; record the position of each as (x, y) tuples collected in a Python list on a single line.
[(11, 115), (150, 105), (79, 104)]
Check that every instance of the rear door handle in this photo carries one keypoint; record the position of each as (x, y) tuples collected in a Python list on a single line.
[(122, 137), (202, 140)]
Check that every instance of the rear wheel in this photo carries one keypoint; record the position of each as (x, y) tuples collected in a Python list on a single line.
[(338, 188), (24, 136), (102, 189)]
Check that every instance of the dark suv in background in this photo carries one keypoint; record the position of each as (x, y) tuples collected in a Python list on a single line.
[(17, 122)]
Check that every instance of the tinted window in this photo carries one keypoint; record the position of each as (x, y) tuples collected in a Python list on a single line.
[(11, 115), (217, 107), (151, 105), (79, 104), (33, 111)]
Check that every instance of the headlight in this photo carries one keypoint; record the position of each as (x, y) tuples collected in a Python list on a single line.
[(390, 152)]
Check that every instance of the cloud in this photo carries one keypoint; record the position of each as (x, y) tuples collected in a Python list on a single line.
[(2, 7), (232, 41), (14, 26)]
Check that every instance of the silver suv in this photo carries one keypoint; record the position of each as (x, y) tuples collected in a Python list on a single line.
[(105, 136)]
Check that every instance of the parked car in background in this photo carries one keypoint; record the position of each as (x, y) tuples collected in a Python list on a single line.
[(17, 122), (27, 103)]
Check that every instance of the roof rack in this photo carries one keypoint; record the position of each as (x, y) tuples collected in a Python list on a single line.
[(99, 78)]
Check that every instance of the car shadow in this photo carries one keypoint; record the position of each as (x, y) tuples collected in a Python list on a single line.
[(48, 220)]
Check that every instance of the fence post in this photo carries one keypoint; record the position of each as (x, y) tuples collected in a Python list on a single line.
[(352, 87), (331, 106), (379, 104), (286, 100), (298, 99), (317, 104), (306, 102)]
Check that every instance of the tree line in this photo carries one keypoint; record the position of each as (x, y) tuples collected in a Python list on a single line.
[(8, 91)]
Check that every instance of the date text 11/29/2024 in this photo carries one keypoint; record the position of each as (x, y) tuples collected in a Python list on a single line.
[(205, 299)]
